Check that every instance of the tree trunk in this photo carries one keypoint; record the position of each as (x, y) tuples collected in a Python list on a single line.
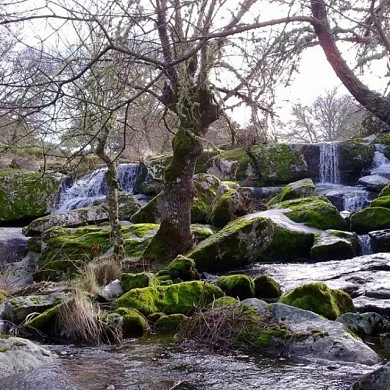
[(174, 236), (373, 102)]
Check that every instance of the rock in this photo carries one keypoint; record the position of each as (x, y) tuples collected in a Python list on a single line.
[(366, 324), (134, 323), (370, 218), (238, 244), (376, 380), (224, 301), (128, 204), (44, 322), (334, 245), (381, 201), (266, 287), (17, 309), (148, 213), (319, 298), (299, 189), (310, 336), (181, 268), (26, 194), (24, 164), (13, 245), (374, 182), (112, 290), (180, 298), (364, 304), (20, 355), (225, 206), (380, 240), (78, 217), (237, 286), (139, 280), (169, 323), (385, 191), (151, 173), (314, 211)]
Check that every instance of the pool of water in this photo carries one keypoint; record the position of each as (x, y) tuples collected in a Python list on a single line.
[(157, 364)]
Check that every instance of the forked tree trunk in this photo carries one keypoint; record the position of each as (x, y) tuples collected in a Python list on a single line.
[(373, 102)]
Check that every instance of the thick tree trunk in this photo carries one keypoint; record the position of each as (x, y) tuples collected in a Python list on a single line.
[(373, 102), (174, 236)]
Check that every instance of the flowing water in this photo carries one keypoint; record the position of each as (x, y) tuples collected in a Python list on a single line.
[(365, 244), (91, 187), (329, 163), (158, 364)]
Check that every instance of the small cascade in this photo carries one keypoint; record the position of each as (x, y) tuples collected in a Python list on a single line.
[(355, 200), (365, 244), (91, 187), (329, 163), (380, 163)]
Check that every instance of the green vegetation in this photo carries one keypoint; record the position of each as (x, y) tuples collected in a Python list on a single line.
[(237, 286), (181, 268), (370, 218), (266, 287), (139, 280), (169, 323)]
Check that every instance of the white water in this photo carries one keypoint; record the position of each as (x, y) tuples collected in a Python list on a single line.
[(355, 200), (329, 163), (365, 244), (380, 165), (91, 187)]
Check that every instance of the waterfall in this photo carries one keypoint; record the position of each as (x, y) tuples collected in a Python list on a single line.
[(380, 163), (91, 187), (329, 163), (355, 200), (365, 244)]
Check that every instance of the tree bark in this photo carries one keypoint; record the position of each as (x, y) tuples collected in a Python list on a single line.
[(373, 102), (174, 237)]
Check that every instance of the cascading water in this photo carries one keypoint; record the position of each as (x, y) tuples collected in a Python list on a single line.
[(329, 163), (84, 191), (355, 200), (365, 244), (380, 163)]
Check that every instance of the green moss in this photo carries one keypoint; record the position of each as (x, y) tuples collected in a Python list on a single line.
[(134, 324), (354, 335), (383, 138), (383, 201), (169, 323), (45, 320), (273, 337), (300, 189), (238, 244), (224, 208), (155, 316), (237, 286), (19, 344), (142, 279), (4, 295), (3, 349), (25, 194), (319, 298), (385, 191), (224, 301), (177, 298), (315, 212), (266, 287), (369, 219), (181, 268), (205, 191)]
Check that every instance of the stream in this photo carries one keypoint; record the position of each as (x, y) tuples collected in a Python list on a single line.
[(155, 363)]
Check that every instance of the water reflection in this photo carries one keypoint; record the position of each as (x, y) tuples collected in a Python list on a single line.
[(156, 364)]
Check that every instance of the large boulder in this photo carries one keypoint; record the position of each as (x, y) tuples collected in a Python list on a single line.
[(182, 298), (370, 218), (334, 245), (319, 298), (19, 355), (306, 335), (315, 211), (237, 286), (239, 243), (26, 194), (299, 189), (376, 380), (380, 240), (374, 182), (365, 324), (260, 165)]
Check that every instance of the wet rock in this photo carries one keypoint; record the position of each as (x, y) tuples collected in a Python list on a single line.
[(369, 219), (377, 380), (366, 324), (237, 286), (112, 290), (380, 240), (316, 337), (13, 245), (374, 182), (20, 355), (365, 304), (299, 189)]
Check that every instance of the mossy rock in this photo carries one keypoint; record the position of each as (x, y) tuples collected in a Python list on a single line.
[(134, 324), (26, 194), (150, 212), (272, 337), (139, 280), (67, 250), (334, 245), (155, 316), (382, 201), (181, 268), (225, 206), (181, 298), (385, 191), (239, 243), (237, 286), (44, 321), (299, 189), (319, 298), (288, 243), (224, 301), (369, 219), (316, 212), (266, 287), (169, 323)]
